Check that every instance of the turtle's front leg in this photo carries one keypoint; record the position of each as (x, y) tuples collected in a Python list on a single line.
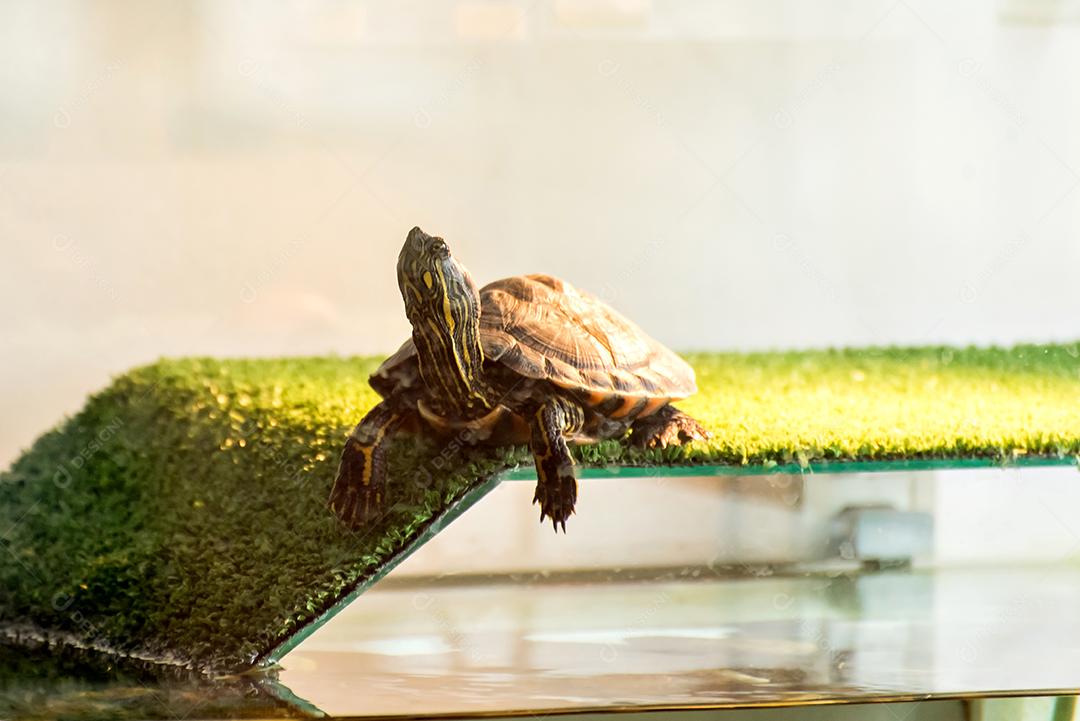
[(556, 485), (359, 491)]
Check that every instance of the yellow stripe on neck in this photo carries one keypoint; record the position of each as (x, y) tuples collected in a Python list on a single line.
[(464, 361)]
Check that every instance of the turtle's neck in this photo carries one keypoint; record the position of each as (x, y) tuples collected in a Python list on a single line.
[(452, 361), (443, 304)]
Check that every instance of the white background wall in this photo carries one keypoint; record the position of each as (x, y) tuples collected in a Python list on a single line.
[(235, 178), (980, 517)]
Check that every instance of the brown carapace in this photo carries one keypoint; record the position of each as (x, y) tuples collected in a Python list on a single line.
[(529, 359)]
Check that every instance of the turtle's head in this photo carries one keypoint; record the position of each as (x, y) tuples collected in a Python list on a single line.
[(434, 285), (443, 304)]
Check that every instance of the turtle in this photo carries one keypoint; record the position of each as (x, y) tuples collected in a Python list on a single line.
[(524, 360)]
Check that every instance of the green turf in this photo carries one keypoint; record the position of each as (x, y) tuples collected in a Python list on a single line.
[(180, 515)]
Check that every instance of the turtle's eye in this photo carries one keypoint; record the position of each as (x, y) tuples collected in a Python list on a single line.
[(439, 249)]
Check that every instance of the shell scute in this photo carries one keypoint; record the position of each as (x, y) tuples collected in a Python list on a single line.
[(545, 328)]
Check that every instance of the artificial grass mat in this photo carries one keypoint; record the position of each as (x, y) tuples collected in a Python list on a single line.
[(181, 516)]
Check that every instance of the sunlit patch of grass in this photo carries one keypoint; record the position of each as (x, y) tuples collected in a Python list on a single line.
[(890, 403)]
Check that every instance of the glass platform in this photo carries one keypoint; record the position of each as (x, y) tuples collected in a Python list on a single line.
[(688, 592)]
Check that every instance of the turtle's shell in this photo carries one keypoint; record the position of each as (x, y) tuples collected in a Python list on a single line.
[(544, 328)]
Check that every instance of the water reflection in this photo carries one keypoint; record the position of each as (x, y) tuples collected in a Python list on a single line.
[(52, 684), (442, 647)]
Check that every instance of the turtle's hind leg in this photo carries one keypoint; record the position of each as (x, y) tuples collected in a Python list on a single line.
[(667, 427), (359, 490), (556, 484)]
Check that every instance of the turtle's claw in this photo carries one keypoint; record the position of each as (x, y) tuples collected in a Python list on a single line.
[(557, 496)]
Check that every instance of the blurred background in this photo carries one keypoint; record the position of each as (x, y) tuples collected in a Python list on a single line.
[(236, 178)]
